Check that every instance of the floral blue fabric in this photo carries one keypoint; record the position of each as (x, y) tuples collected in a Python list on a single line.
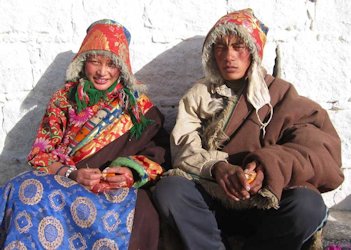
[(43, 211)]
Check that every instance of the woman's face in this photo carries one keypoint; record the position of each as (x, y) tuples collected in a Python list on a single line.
[(232, 56), (101, 71)]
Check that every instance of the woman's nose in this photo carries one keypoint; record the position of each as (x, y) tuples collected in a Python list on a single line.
[(102, 69)]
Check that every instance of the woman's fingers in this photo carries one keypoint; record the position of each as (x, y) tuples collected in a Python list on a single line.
[(119, 176), (88, 176)]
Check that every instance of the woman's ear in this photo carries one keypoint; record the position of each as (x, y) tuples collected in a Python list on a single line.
[(82, 72)]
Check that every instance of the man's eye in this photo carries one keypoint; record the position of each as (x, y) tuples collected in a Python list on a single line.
[(239, 46), (220, 46)]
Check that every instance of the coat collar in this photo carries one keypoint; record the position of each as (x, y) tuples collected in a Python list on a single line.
[(243, 109)]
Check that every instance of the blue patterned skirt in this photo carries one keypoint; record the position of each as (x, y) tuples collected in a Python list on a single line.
[(41, 211)]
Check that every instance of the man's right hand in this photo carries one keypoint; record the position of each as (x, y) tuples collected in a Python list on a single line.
[(232, 180)]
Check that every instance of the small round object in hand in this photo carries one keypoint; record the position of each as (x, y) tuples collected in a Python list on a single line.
[(250, 176)]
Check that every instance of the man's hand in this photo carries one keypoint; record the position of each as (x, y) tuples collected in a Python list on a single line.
[(232, 180), (257, 183)]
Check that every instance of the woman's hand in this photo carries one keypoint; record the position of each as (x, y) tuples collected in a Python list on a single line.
[(118, 176), (97, 181), (232, 180), (87, 177)]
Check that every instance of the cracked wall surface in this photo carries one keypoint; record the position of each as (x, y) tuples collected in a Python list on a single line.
[(308, 45)]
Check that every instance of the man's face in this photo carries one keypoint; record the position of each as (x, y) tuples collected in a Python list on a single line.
[(232, 56)]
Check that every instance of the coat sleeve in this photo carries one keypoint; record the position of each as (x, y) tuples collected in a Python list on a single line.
[(307, 151), (187, 149), (151, 151), (46, 148)]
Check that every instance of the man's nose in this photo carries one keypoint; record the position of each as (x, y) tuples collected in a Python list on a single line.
[(231, 54)]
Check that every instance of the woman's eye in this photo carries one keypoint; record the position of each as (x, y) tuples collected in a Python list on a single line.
[(112, 65), (94, 62)]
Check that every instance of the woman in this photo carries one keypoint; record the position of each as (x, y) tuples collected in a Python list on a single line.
[(99, 131)]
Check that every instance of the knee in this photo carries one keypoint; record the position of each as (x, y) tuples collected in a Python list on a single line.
[(171, 192), (308, 203), (306, 208)]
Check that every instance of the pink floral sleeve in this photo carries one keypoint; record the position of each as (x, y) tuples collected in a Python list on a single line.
[(50, 145)]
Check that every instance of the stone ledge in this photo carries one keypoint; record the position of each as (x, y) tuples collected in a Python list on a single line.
[(337, 231)]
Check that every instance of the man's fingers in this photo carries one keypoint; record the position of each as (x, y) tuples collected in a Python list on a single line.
[(257, 183), (242, 185), (251, 166), (225, 189), (236, 188)]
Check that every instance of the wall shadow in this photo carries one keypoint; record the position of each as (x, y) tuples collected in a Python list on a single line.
[(169, 75), (19, 140), (344, 204)]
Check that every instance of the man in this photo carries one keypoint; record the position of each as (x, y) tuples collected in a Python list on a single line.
[(255, 155)]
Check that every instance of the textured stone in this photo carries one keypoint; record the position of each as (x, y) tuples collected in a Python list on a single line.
[(337, 231)]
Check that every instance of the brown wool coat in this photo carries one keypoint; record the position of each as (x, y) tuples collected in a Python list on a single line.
[(300, 148)]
